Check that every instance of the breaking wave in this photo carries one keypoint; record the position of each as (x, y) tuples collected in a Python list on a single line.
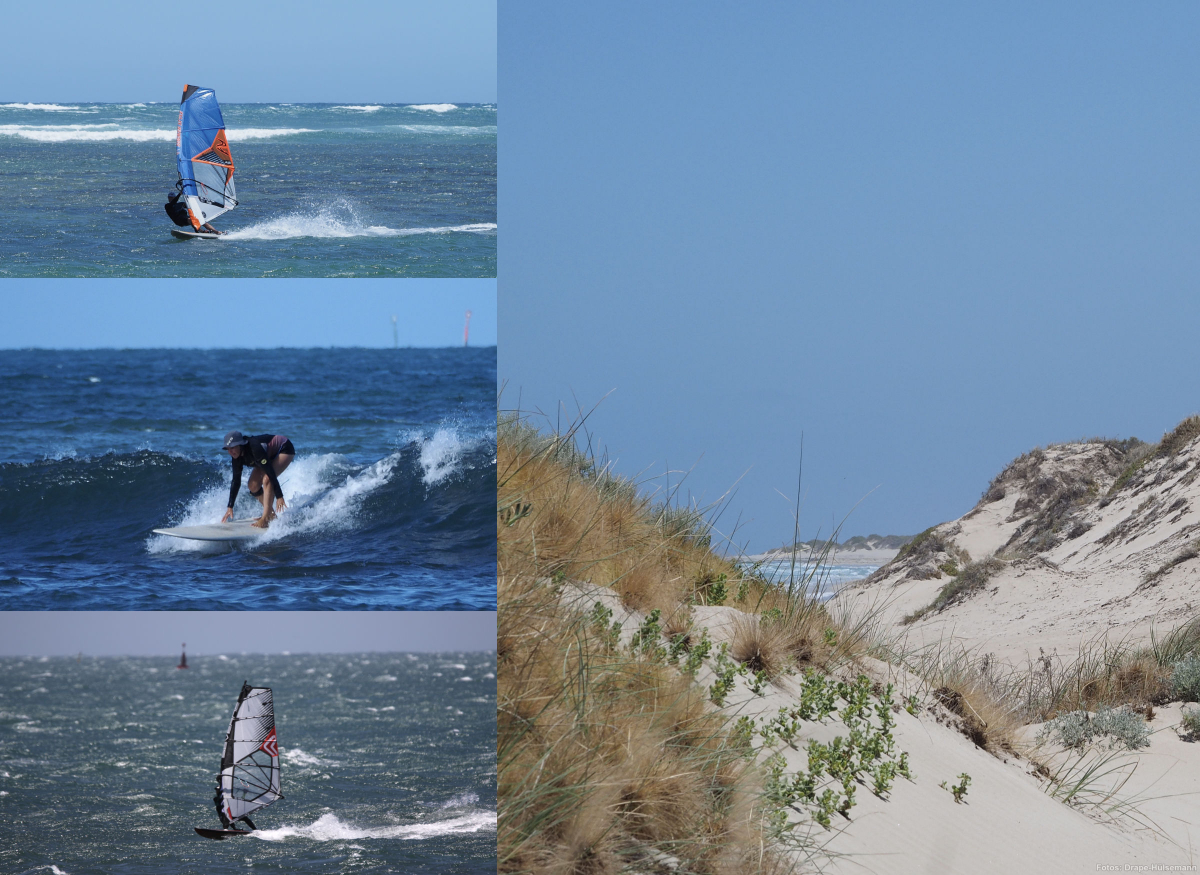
[(109, 132), (428, 501), (44, 107), (434, 107)]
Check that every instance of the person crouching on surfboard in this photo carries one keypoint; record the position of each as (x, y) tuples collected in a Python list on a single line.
[(179, 214), (269, 455)]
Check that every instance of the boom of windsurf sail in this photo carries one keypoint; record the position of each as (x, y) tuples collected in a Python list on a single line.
[(205, 163), (249, 778)]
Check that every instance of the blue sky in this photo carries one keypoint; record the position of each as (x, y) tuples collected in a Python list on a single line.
[(382, 51), (205, 313), (145, 633), (929, 237)]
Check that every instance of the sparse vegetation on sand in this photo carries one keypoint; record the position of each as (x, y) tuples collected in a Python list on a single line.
[(1117, 727), (962, 585)]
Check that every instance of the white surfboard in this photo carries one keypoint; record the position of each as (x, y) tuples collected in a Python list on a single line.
[(235, 530), (186, 235)]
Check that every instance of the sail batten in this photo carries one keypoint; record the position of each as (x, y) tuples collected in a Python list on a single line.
[(249, 778), (202, 151)]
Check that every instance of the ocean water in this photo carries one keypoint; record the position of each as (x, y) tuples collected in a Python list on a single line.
[(323, 190), (387, 764), (391, 495), (822, 580)]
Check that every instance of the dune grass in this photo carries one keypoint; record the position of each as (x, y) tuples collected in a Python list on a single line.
[(610, 757)]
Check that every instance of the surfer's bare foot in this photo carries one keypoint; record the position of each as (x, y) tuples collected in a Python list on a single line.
[(261, 523)]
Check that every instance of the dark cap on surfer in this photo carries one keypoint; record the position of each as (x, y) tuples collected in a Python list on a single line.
[(268, 455)]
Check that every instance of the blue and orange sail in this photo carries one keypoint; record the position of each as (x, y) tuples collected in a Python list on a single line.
[(205, 163)]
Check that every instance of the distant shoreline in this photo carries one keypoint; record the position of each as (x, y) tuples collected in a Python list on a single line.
[(833, 557)]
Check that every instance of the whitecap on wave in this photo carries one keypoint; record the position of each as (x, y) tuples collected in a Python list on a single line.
[(110, 132), (447, 129), (44, 107), (434, 107)]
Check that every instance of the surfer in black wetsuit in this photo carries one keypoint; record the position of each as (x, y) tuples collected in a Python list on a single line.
[(178, 211), (269, 455)]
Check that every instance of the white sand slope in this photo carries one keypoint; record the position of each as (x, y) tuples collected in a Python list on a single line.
[(1078, 549), (1007, 823)]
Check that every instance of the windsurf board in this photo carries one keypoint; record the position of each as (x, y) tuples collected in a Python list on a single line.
[(186, 235), (219, 834)]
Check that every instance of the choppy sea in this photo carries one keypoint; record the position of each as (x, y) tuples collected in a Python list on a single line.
[(324, 190), (821, 580), (391, 495), (387, 764)]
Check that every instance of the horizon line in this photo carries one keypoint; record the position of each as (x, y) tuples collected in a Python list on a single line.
[(225, 348), (168, 655)]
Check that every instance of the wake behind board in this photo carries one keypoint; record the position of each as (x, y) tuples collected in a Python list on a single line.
[(219, 834), (186, 235), (236, 530)]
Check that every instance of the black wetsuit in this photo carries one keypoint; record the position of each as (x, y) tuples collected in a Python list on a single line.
[(258, 452), (178, 212)]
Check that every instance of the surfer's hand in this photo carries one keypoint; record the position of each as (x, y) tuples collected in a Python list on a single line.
[(228, 515), (280, 504)]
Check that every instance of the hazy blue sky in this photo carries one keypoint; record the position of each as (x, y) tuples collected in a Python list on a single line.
[(384, 51), (127, 313), (931, 237), (149, 633)]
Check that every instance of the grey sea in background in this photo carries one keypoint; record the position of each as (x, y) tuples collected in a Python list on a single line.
[(388, 764), (324, 190)]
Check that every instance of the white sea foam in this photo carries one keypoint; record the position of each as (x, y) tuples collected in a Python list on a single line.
[(361, 108), (329, 828), (440, 455), (294, 756), (45, 107), (336, 220), (386, 677), (321, 496), (109, 132), (447, 129), (434, 107), (463, 800)]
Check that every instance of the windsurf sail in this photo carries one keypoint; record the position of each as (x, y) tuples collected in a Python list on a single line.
[(249, 778), (205, 163)]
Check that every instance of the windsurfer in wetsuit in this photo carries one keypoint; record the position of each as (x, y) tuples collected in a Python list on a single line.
[(178, 211), (269, 455)]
